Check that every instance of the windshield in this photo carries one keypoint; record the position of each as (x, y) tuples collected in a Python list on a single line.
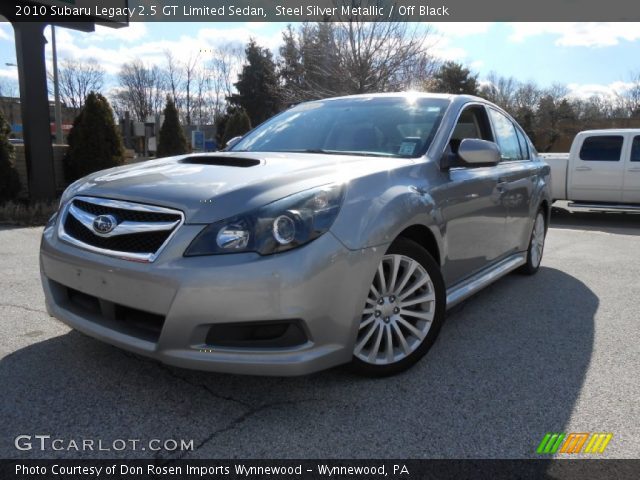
[(376, 126)]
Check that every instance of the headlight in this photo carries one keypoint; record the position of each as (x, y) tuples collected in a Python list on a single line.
[(282, 225)]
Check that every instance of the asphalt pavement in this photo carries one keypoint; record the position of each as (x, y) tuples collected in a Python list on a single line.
[(556, 352)]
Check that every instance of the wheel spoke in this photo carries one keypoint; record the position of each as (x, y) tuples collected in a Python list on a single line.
[(403, 341), (374, 290), (422, 281), (411, 328), (395, 267), (365, 339), (427, 297), (382, 282), (406, 276), (417, 314), (376, 344), (367, 321), (389, 346)]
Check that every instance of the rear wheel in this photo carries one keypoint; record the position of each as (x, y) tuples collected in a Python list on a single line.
[(403, 312), (536, 245)]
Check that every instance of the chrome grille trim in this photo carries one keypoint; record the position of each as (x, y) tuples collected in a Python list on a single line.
[(124, 228)]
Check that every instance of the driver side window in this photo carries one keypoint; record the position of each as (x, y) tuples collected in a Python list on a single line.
[(472, 123)]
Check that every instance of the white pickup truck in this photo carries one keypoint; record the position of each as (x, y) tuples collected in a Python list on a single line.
[(602, 170)]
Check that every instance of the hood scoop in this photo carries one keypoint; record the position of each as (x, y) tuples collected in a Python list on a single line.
[(221, 161)]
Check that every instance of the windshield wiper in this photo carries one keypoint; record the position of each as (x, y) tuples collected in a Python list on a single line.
[(343, 152)]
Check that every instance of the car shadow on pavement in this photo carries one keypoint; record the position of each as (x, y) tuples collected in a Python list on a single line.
[(508, 367), (623, 223)]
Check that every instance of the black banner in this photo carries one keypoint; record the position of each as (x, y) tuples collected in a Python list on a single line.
[(316, 469), (122, 11)]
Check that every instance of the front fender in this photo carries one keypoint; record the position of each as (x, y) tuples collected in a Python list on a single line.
[(373, 216)]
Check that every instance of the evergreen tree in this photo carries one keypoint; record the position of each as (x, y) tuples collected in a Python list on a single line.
[(456, 79), (9, 181), (257, 86), (94, 142), (236, 125), (172, 139)]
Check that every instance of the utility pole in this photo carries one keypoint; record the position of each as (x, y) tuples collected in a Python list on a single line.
[(56, 89)]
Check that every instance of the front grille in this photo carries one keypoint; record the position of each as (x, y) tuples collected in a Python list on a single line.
[(139, 233), (134, 243)]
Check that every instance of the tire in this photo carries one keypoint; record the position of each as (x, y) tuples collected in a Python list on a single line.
[(536, 245), (396, 328)]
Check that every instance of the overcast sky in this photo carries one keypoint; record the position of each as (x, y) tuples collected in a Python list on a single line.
[(588, 57)]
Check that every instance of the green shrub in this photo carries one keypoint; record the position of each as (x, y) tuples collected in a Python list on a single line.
[(94, 141), (9, 180), (172, 140)]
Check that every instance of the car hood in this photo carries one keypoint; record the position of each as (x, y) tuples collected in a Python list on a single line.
[(210, 187)]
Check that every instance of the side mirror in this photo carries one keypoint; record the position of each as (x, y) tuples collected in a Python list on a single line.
[(476, 152), (232, 142)]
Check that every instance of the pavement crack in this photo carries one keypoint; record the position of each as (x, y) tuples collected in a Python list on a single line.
[(235, 423), (204, 387), (22, 307), (174, 374)]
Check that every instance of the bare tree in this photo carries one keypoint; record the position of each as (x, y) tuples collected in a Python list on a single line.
[(174, 78), (9, 102), (376, 55), (76, 79), (222, 70), (141, 91), (629, 99), (500, 90), (352, 56)]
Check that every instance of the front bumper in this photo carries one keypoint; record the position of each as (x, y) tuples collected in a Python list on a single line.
[(322, 285)]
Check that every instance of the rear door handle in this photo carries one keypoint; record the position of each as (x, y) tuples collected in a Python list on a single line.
[(582, 169)]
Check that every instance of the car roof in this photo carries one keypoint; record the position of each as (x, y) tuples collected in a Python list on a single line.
[(405, 94), (610, 130)]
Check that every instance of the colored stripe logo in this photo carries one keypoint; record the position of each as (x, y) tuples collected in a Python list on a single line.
[(593, 443)]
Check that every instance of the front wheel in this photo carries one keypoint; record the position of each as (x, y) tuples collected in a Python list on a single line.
[(536, 245), (403, 312)]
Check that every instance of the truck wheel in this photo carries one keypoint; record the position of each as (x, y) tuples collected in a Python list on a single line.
[(403, 312), (536, 245)]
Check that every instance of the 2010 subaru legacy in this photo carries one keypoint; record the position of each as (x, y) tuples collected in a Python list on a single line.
[(338, 231)]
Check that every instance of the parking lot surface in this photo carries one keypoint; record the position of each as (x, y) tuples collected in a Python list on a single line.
[(556, 352)]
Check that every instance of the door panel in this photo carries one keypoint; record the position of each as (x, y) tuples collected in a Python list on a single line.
[(516, 181), (631, 191), (517, 197), (597, 169), (471, 204), (473, 208)]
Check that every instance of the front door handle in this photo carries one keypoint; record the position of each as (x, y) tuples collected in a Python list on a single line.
[(582, 169), (634, 169)]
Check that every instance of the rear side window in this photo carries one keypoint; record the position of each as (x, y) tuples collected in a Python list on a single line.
[(635, 150), (506, 136), (604, 148)]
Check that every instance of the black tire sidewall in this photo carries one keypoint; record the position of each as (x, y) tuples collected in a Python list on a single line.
[(409, 248)]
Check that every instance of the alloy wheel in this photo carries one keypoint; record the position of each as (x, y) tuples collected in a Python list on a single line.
[(398, 313), (537, 240)]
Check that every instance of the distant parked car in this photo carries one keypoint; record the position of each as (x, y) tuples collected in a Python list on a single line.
[(16, 141), (338, 231), (602, 170)]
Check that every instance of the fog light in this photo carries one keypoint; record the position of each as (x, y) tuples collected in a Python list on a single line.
[(284, 229), (232, 237)]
